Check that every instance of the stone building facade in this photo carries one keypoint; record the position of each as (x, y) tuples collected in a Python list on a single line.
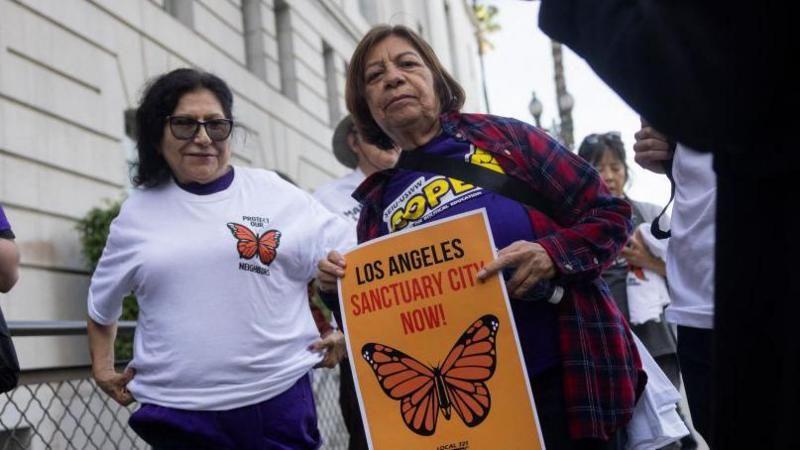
[(71, 72)]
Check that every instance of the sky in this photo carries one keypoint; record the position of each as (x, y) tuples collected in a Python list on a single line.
[(521, 63)]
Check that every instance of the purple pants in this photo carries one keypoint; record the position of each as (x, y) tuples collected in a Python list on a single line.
[(285, 422)]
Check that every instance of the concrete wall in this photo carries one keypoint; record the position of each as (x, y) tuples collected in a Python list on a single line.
[(69, 69)]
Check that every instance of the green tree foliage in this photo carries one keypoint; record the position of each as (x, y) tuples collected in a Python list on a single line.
[(487, 24), (486, 15), (93, 230)]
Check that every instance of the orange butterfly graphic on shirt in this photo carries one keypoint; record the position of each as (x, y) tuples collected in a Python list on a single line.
[(458, 383), (249, 243)]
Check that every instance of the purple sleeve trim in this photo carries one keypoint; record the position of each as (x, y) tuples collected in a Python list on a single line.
[(5, 227)]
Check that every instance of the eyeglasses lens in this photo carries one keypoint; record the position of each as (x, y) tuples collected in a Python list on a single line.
[(187, 128)]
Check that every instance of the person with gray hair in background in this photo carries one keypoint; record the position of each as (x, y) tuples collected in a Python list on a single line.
[(365, 159)]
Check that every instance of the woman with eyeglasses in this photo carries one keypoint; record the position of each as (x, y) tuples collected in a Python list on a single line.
[(606, 152), (219, 258)]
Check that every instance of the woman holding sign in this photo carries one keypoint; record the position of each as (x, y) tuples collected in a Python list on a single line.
[(558, 227)]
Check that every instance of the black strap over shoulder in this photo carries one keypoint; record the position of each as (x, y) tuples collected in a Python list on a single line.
[(655, 228), (488, 179)]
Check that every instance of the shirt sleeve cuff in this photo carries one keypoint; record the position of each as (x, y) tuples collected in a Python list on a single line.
[(95, 316), (567, 264)]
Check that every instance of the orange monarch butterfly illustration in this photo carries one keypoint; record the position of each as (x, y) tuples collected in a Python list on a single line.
[(458, 383), (250, 243)]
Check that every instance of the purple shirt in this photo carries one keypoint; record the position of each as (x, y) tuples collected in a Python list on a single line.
[(220, 184), (414, 198), (5, 227)]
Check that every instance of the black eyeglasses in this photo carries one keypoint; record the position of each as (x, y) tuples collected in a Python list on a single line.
[(185, 128), (595, 138)]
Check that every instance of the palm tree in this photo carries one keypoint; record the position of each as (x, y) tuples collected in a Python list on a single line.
[(486, 16), (565, 100)]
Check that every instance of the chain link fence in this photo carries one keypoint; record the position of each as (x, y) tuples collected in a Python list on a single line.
[(329, 415), (64, 414), (76, 414), (62, 408)]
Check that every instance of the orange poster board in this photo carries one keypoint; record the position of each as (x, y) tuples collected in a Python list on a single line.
[(435, 353)]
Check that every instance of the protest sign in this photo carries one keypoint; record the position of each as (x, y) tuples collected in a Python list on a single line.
[(435, 352)]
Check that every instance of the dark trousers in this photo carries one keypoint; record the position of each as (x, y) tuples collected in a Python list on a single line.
[(285, 422), (548, 393), (756, 348), (695, 346), (348, 402), (669, 365)]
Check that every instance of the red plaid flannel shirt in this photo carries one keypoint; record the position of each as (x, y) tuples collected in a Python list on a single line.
[(601, 367)]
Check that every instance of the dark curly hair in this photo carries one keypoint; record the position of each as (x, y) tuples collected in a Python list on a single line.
[(450, 94), (159, 100)]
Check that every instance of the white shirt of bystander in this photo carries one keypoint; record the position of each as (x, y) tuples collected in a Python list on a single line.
[(337, 195), (690, 254)]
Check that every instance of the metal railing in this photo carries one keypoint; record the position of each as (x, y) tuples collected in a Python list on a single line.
[(63, 408)]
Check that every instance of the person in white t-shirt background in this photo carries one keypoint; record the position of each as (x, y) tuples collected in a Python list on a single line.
[(365, 159), (219, 258), (690, 263)]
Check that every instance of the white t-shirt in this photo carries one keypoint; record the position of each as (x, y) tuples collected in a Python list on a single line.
[(690, 254), (216, 330), (337, 195)]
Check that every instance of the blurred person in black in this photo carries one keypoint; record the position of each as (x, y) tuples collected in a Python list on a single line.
[(714, 75)]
